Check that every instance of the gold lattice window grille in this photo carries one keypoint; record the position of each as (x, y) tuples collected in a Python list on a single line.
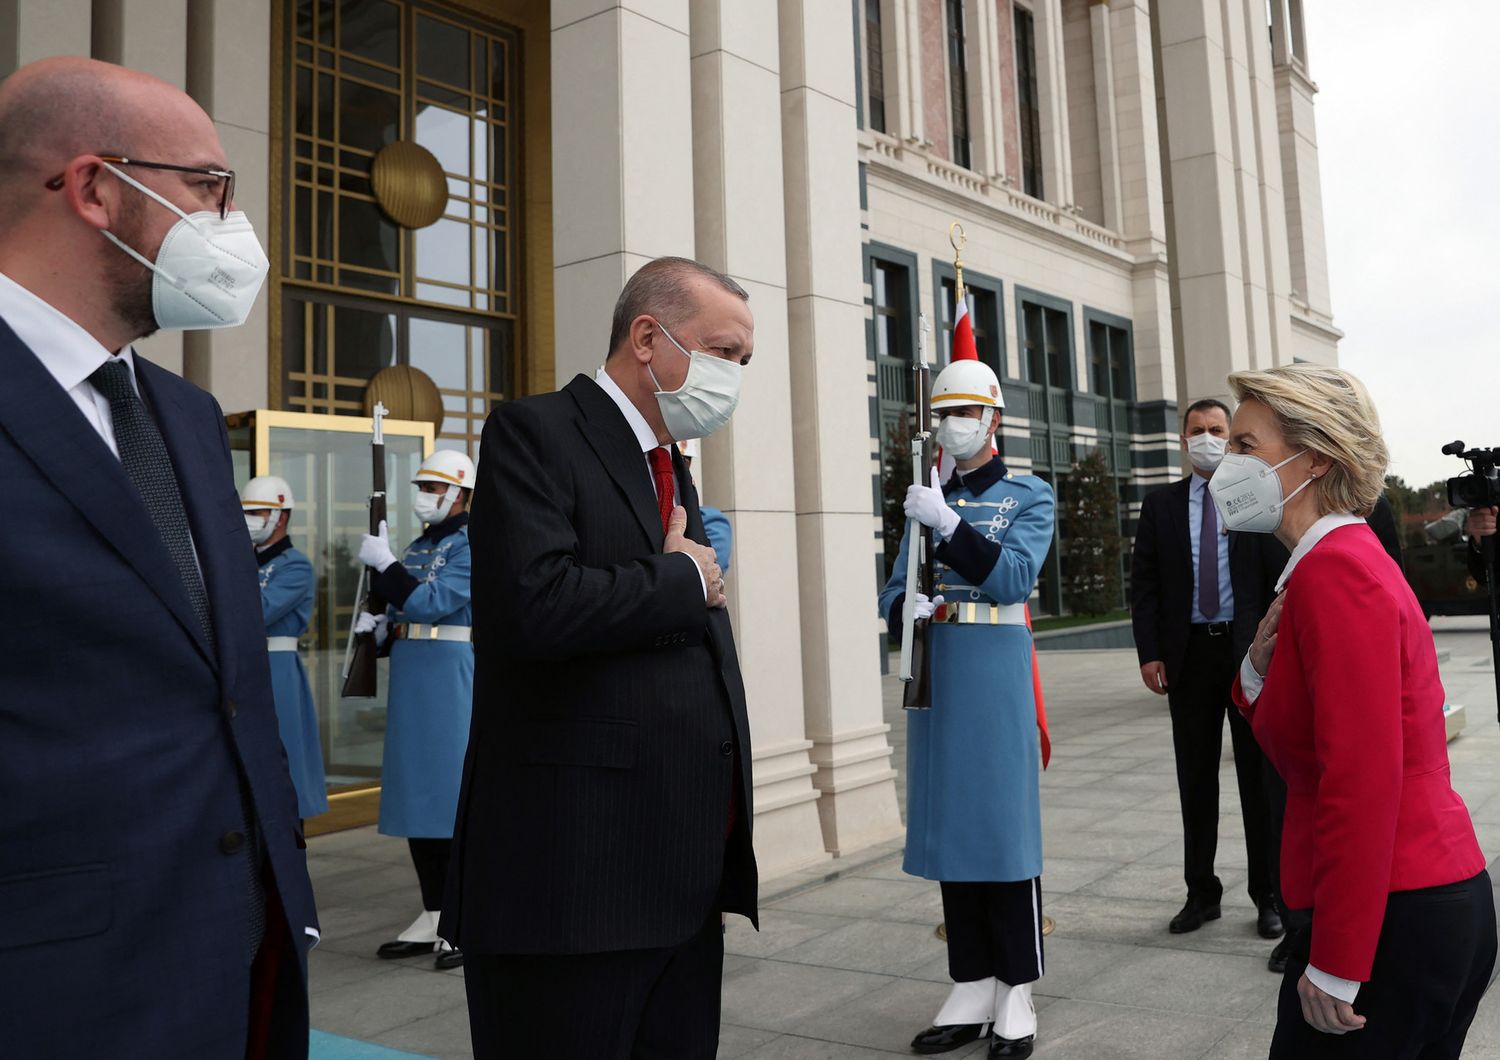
[(359, 292)]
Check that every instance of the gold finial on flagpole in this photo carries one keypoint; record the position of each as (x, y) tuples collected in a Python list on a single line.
[(958, 239)]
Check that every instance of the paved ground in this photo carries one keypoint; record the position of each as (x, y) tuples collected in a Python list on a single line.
[(847, 966)]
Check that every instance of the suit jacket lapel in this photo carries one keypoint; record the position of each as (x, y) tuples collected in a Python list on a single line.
[(604, 428), (46, 424), (186, 448), (1180, 509)]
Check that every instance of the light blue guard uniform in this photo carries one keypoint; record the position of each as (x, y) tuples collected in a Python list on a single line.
[(286, 604), (720, 535), (973, 760), (432, 682)]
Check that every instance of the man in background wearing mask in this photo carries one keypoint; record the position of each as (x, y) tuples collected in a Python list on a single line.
[(286, 606), (154, 898), (1190, 584), (604, 823), (426, 630), (974, 817)]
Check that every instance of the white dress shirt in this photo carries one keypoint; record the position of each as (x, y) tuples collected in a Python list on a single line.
[(1251, 683), (69, 353), (646, 438)]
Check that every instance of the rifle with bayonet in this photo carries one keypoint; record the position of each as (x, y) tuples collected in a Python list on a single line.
[(362, 651), (917, 693)]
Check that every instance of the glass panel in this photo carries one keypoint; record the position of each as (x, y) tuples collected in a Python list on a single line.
[(365, 281), (302, 221), (304, 18), (481, 154), (442, 51), (502, 340), (371, 117), (446, 135), (366, 238), (329, 473), (499, 71), (481, 252), (446, 96), (437, 348), (371, 28), (354, 68), (502, 260), (324, 130), (428, 292), (443, 252), (364, 342), (304, 122)]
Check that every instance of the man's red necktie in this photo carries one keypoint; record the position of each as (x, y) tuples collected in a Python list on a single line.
[(666, 483)]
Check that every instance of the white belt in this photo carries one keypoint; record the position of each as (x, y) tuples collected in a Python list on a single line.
[(980, 614), (421, 631), (281, 644)]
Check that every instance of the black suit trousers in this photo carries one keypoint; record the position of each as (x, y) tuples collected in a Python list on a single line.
[(1432, 964), (653, 1004), (1198, 699)]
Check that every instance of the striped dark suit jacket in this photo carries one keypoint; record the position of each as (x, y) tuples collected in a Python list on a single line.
[(609, 723)]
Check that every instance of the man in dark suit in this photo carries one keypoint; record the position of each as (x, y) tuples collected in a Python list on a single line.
[(1187, 582), (604, 820), (154, 898)]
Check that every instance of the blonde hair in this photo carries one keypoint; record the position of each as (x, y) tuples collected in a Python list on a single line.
[(1326, 410)]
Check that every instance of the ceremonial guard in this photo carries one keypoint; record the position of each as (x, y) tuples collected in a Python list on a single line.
[(427, 626), (974, 758), (286, 605)]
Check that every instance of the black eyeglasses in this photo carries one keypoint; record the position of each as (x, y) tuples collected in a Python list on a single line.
[(226, 177)]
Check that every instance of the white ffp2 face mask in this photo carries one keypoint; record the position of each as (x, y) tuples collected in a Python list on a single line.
[(208, 270), (1206, 450), (706, 399), (962, 436), (1247, 492)]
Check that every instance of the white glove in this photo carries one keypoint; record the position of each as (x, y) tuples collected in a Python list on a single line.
[(925, 504), (376, 624), (375, 549), (924, 608)]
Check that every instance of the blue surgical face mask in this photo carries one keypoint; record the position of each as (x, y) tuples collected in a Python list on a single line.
[(1247, 492)]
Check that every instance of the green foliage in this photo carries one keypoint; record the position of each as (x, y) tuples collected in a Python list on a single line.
[(1094, 544)]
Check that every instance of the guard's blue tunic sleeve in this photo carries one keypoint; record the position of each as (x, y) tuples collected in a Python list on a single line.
[(720, 535), (280, 595), (893, 596), (447, 591), (1005, 571)]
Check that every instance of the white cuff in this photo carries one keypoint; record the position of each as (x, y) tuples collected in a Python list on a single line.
[(1344, 989), (1250, 682), (313, 934), (382, 568), (950, 524), (701, 580)]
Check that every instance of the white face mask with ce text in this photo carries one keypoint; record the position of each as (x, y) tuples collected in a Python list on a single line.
[(1247, 492), (208, 270), (261, 526), (433, 508), (1206, 450), (963, 436), (706, 399)]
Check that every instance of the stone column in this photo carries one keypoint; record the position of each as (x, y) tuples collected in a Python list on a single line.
[(622, 150), (739, 219), (982, 39), (913, 126), (830, 413), (1057, 154), (150, 36), (31, 30), (1143, 221), (232, 83), (1207, 261), (1104, 109)]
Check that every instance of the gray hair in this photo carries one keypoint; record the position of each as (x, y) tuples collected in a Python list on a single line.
[(662, 288)]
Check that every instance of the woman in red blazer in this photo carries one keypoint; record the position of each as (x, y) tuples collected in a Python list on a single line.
[(1393, 916)]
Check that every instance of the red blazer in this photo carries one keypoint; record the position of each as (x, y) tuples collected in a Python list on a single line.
[(1351, 715)]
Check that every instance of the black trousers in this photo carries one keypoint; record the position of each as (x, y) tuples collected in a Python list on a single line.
[(658, 1004), (430, 857), (994, 929), (1198, 701), (1432, 964)]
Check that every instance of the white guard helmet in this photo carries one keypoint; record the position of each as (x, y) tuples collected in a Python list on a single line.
[(447, 466), (262, 493), (966, 382)]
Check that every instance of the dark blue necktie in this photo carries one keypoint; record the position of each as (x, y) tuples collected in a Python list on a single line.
[(1208, 559), (143, 453)]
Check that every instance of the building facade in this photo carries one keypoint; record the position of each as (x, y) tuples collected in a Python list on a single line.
[(1137, 183)]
